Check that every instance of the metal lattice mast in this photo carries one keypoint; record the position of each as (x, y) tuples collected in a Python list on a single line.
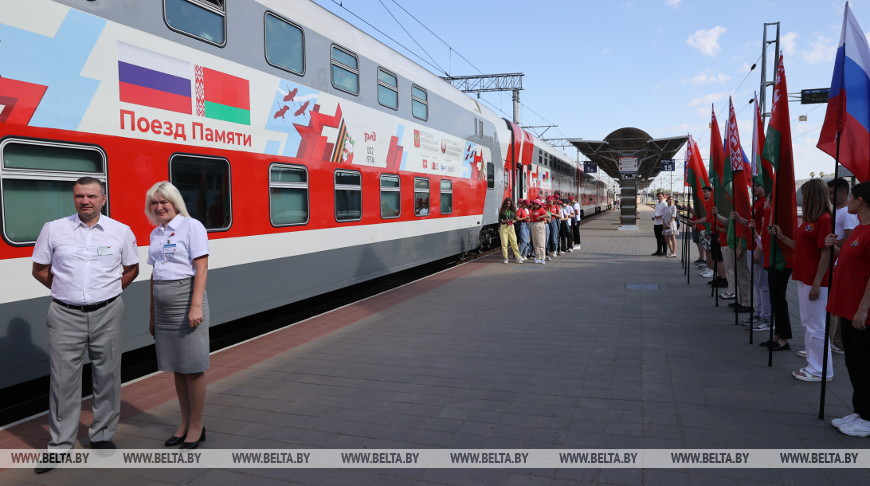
[(491, 82), (765, 84)]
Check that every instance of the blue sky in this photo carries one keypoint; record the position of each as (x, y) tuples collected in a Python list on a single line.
[(594, 66)]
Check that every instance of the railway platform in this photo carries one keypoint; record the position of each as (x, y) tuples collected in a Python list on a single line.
[(567, 355)]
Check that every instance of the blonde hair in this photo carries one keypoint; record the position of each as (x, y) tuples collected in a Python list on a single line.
[(168, 191), (815, 199)]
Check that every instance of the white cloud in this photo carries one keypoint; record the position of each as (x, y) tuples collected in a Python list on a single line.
[(821, 50), (606, 51), (707, 77), (787, 43), (707, 41), (707, 99), (673, 3)]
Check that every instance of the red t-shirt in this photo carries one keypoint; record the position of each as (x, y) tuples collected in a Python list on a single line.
[(810, 240), (522, 213), (537, 215), (851, 274), (765, 238), (556, 211)]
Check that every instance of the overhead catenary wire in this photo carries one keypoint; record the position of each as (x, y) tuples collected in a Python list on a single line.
[(411, 36)]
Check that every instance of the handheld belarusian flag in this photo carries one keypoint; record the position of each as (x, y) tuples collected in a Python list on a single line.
[(696, 178), (778, 152), (720, 176), (848, 112), (738, 163)]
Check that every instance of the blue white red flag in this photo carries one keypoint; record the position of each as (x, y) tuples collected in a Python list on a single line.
[(848, 111), (148, 78)]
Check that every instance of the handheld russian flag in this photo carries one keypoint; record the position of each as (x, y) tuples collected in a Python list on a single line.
[(848, 113)]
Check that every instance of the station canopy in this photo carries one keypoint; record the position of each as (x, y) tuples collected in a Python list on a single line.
[(632, 142)]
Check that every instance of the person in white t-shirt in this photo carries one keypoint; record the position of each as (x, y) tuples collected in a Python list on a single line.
[(661, 246), (575, 227)]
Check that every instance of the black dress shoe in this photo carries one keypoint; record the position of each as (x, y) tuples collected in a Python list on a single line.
[(740, 309), (44, 468), (765, 343), (173, 441), (733, 305), (655, 254), (195, 444), (780, 347), (103, 444)]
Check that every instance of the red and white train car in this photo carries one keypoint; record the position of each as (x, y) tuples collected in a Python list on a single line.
[(316, 156)]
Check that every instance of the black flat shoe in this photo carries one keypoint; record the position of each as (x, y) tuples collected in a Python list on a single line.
[(780, 347), (173, 441), (765, 344), (195, 444)]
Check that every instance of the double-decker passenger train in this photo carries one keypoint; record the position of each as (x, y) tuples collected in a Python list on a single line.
[(316, 156)]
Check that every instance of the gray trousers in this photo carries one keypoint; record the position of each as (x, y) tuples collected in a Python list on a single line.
[(72, 334)]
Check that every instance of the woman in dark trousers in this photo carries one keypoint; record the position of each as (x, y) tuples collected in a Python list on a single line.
[(777, 280), (850, 300)]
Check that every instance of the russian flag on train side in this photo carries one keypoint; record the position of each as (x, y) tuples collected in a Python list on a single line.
[(848, 110), (222, 96), (150, 79)]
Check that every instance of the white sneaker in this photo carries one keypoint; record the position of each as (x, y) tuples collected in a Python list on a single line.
[(856, 428), (802, 353), (836, 349), (848, 419), (547, 258), (760, 327), (505, 261), (577, 247), (520, 260), (707, 274)]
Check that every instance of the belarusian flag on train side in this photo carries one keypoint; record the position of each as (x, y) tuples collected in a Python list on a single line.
[(222, 96)]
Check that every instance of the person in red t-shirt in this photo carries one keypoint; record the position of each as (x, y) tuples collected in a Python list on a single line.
[(811, 259), (850, 300), (538, 219), (703, 225), (523, 235)]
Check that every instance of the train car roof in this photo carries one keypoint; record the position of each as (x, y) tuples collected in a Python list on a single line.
[(316, 18)]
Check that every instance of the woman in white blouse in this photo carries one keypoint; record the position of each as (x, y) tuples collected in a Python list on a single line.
[(179, 305)]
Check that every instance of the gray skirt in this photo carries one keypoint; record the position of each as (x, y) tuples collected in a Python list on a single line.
[(180, 348)]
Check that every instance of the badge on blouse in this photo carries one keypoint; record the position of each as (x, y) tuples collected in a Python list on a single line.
[(104, 250), (169, 249)]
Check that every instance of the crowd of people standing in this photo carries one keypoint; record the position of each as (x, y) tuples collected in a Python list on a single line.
[(833, 233), (539, 230)]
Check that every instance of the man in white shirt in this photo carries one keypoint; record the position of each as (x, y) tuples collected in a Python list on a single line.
[(86, 260), (575, 227), (661, 206)]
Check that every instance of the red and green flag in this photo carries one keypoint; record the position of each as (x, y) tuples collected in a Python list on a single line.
[(696, 178), (762, 171), (778, 152), (222, 96), (736, 160), (720, 175)]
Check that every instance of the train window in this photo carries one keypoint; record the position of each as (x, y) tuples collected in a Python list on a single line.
[(421, 196), (390, 196), (37, 180), (204, 184), (285, 46), (490, 175), (348, 195), (388, 89), (288, 195), (345, 70), (446, 196), (203, 19), (419, 103)]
